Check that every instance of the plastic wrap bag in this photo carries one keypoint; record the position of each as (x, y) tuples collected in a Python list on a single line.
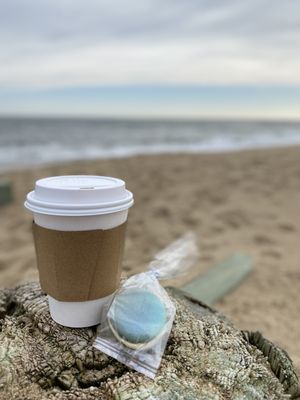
[(176, 259), (136, 325)]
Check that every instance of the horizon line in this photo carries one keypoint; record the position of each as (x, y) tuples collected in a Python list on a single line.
[(153, 118)]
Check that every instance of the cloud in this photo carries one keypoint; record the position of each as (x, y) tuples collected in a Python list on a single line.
[(54, 43)]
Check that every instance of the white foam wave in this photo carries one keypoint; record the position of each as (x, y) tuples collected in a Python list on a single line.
[(12, 157)]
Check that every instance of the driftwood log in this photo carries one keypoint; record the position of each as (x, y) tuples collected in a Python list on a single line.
[(206, 358)]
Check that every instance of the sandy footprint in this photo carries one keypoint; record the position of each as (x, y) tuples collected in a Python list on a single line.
[(263, 239), (287, 227)]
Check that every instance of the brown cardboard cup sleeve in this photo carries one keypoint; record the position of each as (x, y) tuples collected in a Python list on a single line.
[(81, 265)]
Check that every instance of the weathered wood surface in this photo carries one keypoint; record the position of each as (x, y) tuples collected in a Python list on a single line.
[(6, 195), (206, 358), (220, 279)]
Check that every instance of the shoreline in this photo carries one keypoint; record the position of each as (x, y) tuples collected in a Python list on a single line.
[(4, 170), (244, 201)]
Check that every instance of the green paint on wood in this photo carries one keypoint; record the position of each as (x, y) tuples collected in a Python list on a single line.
[(220, 279), (5, 192)]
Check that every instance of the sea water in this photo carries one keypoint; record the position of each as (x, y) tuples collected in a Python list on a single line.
[(36, 141)]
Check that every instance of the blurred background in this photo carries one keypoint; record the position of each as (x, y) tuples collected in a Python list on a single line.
[(195, 104)]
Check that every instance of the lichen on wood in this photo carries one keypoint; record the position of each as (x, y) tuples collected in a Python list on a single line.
[(206, 358)]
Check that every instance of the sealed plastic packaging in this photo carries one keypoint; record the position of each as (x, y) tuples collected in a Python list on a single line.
[(136, 325)]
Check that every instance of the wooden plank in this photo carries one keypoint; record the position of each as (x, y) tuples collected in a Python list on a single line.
[(6, 195), (220, 279)]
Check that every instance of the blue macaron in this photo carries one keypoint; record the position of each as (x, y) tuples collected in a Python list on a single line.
[(137, 316)]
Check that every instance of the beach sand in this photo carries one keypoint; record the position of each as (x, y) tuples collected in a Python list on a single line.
[(245, 201)]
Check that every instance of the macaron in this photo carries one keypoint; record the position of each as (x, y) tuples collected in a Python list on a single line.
[(137, 317)]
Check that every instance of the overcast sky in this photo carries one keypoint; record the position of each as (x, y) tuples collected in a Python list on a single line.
[(150, 57)]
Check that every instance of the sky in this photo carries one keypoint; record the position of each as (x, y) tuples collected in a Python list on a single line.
[(150, 58)]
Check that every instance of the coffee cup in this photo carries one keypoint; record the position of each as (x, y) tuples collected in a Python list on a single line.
[(79, 233)]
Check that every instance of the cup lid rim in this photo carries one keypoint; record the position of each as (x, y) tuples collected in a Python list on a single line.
[(61, 209), (79, 195)]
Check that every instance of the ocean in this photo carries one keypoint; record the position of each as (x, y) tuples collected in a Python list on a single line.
[(36, 141)]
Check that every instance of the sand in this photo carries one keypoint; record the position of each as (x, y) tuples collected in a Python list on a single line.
[(245, 201)]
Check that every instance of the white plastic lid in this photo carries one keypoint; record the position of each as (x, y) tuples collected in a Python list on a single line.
[(79, 195)]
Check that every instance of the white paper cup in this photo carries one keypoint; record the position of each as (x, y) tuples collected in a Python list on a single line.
[(79, 203)]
